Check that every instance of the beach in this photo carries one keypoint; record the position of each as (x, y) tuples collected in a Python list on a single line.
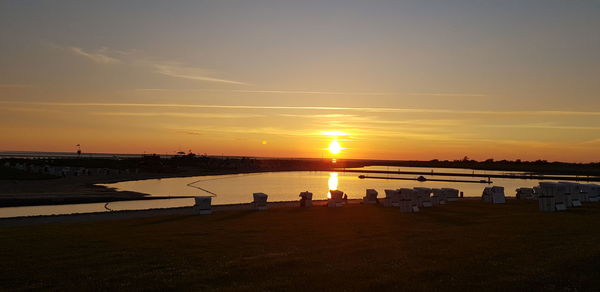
[(465, 245)]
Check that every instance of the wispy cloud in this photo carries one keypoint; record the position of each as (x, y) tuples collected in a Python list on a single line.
[(245, 130), (372, 119), (325, 108), (30, 109), (192, 73), (321, 92), (98, 56), (543, 126), (327, 116), (315, 92), (14, 85), (180, 115), (351, 133), (593, 142), (151, 89), (450, 94), (105, 55)]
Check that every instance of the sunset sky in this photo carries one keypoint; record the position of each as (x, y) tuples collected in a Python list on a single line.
[(386, 79)]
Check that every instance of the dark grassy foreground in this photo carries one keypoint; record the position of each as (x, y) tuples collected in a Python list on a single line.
[(468, 245)]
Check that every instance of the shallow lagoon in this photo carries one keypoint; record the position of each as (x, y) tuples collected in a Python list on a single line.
[(285, 186), (280, 186)]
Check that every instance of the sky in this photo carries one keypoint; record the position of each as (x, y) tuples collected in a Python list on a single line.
[(384, 79)]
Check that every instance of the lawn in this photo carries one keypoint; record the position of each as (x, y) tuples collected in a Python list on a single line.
[(467, 245)]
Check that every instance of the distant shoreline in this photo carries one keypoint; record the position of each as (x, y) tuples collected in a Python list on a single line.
[(537, 166), (23, 188)]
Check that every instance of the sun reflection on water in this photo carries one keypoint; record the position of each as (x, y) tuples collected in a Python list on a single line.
[(332, 183)]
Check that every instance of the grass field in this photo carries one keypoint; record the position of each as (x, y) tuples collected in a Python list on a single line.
[(468, 245)]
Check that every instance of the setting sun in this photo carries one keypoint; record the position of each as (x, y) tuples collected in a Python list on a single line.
[(334, 147)]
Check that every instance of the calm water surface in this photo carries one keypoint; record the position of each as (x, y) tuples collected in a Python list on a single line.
[(280, 186), (285, 186)]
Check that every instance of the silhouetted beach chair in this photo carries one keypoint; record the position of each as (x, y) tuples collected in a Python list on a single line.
[(422, 196), (562, 197), (524, 194), (370, 197), (202, 205), (392, 198), (260, 201), (337, 198), (572, 191), (486, 195), (406, 201), (494, 195), (537, 191), (498, 196), (584, 192), (306, 199), (436, 197), (591, 192), (427, 201), (451, 194), (439, 197), (594, 192)]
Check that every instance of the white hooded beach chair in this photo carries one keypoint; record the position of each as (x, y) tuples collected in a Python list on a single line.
[(451, 194), (406, 201), (562, 197), (406, 193), (337, 198), (392, 198), (370, 197), (202, 205), (572, 193), (486, 195), (498, 195), (546, 197), (441, 196), (593, 192), (260, 201), (437, 197), (584, 192), (537, 191), (422, 195), (549, 199), (407, 206)]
